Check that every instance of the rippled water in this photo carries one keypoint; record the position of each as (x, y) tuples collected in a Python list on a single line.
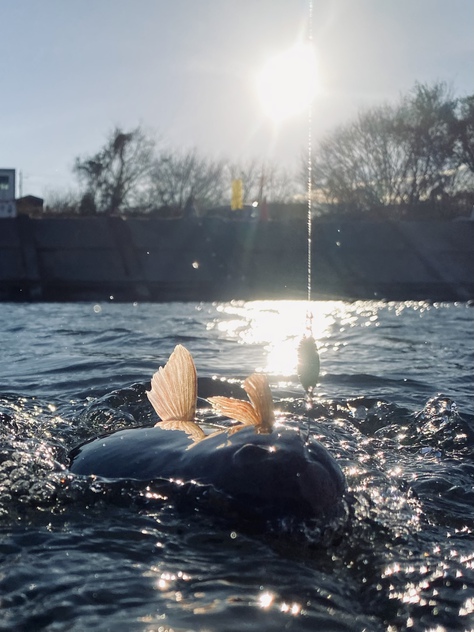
[(394, 406)]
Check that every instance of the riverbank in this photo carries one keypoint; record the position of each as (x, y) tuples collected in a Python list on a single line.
[(149, 259)]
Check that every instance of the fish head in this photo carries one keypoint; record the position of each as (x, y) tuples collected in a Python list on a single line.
[(281, 473)]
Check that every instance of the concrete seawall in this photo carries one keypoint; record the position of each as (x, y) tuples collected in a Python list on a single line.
[(147, 259)]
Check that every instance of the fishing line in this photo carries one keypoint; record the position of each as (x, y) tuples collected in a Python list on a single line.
[(308, 357), (309, 220)]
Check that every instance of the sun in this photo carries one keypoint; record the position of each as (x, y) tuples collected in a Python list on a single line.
[(287, 82)]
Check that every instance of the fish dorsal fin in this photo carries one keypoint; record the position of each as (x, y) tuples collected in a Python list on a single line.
[(173, 391), (257, 412)]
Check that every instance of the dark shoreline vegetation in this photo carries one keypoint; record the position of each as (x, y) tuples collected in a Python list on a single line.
[(413, 160)]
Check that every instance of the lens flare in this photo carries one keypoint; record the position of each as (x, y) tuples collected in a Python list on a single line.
[(287, 82)]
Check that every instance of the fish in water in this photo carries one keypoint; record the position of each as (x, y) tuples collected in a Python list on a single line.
[(265, 467)]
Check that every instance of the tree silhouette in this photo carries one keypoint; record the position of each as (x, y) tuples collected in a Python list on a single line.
[(114, 175), (401, 157)]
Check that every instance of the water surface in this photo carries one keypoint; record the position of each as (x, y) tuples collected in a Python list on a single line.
[(394, 405)]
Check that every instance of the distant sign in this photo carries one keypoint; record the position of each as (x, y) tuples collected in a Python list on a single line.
[(7, 193)]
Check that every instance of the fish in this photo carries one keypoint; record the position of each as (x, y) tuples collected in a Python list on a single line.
[(264, 467)]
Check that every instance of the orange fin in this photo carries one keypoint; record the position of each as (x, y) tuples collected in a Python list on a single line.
[(259, 411), (173, 391), (237, 409), (257, 388)]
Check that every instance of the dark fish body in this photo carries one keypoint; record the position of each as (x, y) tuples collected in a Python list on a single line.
[(279, 474), (263, 469)]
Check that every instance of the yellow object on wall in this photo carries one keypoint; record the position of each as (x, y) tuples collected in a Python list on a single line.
[(236, 201)]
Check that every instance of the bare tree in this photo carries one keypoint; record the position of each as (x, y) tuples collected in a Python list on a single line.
[(391, 156), (250, 173), (114, 175), (175, 176), (264, 178), (62, 202), (464, 132), (280, 185), (423, 126), (359, 166)]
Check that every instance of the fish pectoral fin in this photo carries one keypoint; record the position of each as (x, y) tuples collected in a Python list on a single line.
[(173, 391), (258, 390), (191, 428), (237, 409)]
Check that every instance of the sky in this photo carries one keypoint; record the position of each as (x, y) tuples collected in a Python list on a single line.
[(185, 70)]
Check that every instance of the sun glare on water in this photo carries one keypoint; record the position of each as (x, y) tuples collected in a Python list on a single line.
[(287, 83), (278, 325)]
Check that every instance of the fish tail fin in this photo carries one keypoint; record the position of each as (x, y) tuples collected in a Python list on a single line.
[(258, 412), (173, 391)]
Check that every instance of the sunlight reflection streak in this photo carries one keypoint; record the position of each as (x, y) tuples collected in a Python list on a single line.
[(279, 326)]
